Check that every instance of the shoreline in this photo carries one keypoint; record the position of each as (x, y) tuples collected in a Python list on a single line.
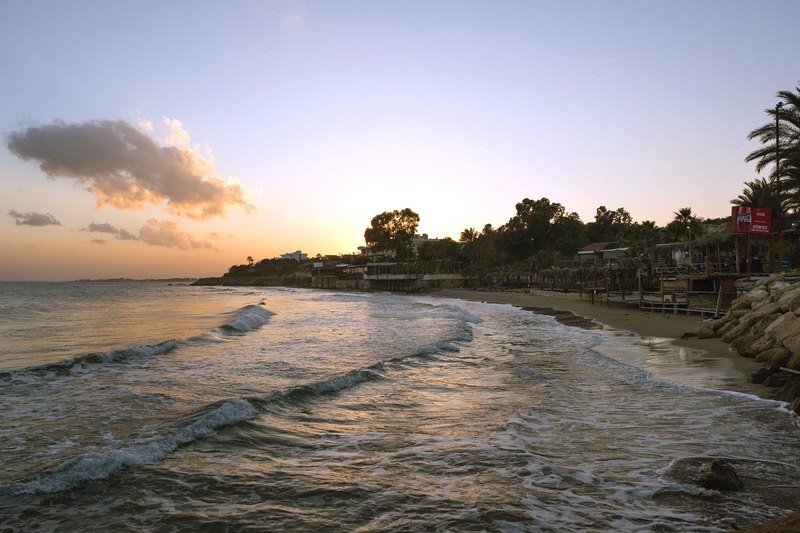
[(652, 330), (708, 363)]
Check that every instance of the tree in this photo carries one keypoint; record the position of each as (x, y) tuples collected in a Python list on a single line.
[(469, 235), (443, 250), (609, 226), (532, 227), (685, 225), (784, 155), (642, 236), (760, 193), (392, 231), (250, 260)]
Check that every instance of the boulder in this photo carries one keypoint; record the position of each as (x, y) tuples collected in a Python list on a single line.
[(790, 299), (777, 287), (760, 375), (743, 344), (790, 391), (784, 326), (715, 324), (720, 475), (793, 345), (727, 327), (770, 308), (740, 330), (778, 358), (760, 326), (751, 345), (795, 408), (704, 331), (777, 380), (769, 354), (755, 297), (794, 361)]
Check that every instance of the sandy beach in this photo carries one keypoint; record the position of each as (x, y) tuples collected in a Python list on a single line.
[(692, 361)]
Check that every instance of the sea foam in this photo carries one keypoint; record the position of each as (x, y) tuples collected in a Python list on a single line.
[(99, 465)]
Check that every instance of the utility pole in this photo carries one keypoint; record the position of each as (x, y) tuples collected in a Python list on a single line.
[(778, 107)]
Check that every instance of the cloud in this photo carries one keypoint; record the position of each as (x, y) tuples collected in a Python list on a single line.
[(126, 168), (97, 241), (168, 233), (155, 233), (102, 228), (105, 227), (125, 235), (34, 219)]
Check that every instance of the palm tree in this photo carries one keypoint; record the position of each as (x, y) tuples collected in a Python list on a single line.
[(760, 193), (250, 260), (780, 140), (469, 235), (685, 223)]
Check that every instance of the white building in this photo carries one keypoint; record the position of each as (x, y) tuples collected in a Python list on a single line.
[(297, 255)]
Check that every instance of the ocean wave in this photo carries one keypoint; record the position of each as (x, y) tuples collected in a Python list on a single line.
[(332, 385), (245, 319), (248, 318), (110, 356), (95, 466)]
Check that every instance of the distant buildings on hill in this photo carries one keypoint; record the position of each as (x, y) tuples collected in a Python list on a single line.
[(297, 255)]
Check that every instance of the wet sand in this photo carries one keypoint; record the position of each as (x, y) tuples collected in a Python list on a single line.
[(666, 355)]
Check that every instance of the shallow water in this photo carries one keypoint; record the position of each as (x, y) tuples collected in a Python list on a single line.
[(272, 409)]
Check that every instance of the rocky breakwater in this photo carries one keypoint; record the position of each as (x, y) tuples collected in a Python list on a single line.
[(764, 323)]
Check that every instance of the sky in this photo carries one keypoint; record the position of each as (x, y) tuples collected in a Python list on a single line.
[(153, 139)]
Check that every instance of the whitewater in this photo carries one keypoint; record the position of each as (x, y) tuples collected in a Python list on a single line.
[(148, 406)]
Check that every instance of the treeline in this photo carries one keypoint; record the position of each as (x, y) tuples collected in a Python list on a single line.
[(541, 233)]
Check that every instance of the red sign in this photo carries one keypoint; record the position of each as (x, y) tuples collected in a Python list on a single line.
[(750, 219)]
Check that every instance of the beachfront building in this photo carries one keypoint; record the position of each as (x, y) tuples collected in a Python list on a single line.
[(297, 255), (386, 276)]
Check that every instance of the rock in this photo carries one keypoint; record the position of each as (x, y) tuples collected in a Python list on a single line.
[(768, 355), (765, 321), (776, 380), (793, 345), (790, 299), (755, 297), (790, 392), (727, 327), (778, 359), (715, 324), (760, 375), (752, 345), (784, 326), (738, 313), (777, 287), (720, 475), (769, 308), (794, 361), (705, 332), (795, 408), (740, 330), (746, 344)]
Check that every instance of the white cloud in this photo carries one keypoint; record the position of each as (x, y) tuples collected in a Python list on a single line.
[(126, 168)]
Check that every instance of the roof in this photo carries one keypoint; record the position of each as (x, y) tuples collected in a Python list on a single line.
[(595, 247)]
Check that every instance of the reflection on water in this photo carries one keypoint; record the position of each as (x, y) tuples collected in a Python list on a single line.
[(679, 364)]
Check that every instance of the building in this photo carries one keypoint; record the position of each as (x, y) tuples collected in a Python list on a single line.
[(297, 255)]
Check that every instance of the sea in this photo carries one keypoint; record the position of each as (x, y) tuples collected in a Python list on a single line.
[(150, 406)]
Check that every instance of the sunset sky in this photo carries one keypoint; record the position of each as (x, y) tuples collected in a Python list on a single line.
[(160, 139)]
